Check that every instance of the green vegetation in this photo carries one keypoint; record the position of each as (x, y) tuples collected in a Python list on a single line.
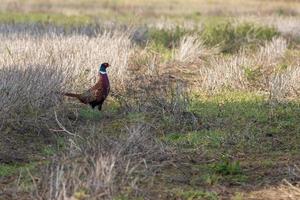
[(90, 114), (238, 123), (56, 147), (222, 33), (230, 112), (227, 167), (11, 169), (193, 140), (44, 18), (165, 53), (230, 38), (223, 171), (166, 38), (253, 75), (195, 195), (6, 169), (163, 41)]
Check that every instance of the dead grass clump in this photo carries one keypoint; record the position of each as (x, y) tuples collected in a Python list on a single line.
[(190, 48), (285, 84), (164, 101), (150, 92), (105, 169), (287, 25), (283, 192), (144, 61), (280, 82), (28, 91), (271, 52), (223, 73), (246, 71)]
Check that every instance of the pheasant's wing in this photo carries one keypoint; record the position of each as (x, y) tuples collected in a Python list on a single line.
[(88, 96), (97, 90), (99, 94), (91, 94)]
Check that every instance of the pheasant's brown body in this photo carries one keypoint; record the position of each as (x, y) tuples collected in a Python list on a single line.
[(96, 95)]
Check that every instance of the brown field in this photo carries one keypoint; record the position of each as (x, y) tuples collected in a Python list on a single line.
[(204, 100)]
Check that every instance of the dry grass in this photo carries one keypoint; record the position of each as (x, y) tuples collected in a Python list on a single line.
[(156, 7), (285, 191), (287, 25), (105, 169), (37, 63), (49, 64), (260, 70), (190, 48), (54, 61)]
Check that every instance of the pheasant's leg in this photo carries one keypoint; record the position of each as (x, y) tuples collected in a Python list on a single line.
[(93, 104), (100, 107)]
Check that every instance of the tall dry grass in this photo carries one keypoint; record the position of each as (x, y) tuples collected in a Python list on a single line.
[(104, 169), (190, 48), (287, 25), (34, 69), (259, 71)]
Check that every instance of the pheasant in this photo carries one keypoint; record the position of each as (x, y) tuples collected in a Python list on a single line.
[(96, 95)]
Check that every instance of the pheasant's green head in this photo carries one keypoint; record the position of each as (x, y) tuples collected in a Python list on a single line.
[(102, 68)]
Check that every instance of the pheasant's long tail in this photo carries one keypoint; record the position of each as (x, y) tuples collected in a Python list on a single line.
[(72, 95)]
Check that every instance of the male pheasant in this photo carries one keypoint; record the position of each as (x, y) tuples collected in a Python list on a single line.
[(96, 95)]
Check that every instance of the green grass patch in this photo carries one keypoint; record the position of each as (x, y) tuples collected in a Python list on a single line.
[(6, 169), (90, 114), (223, 170), (167, 38), (230, 38), (246, 121), (231, 105), (45, 18), (207, 139), (165, 53), (227, 167), (192, 194), (10, 169), (240, 122), (48, 150), (51, 149), (163, 41)]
